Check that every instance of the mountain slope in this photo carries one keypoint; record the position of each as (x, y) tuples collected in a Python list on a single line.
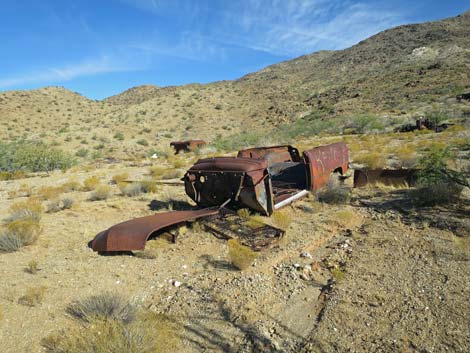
[(406, 71)]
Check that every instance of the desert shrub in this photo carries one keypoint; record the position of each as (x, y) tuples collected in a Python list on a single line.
[(131, 190), (48, 192), (337, 273), (240, 255), (407, 156), (32, 157), (59, 205), (119, 136), (71, 185), (148, 186), (152, 333), (91, 183), (9, 242), (157, 171), (372, 160), (53, 206), (255, 221), (345, 218), (178, 162), (244, 213), (33, 296), (67, 203), (82, 152), (172, 174), (32, 267), (282, 219), (142, 142), (366, 123), (102, 192), (238, 141), (104, 306), (334, 195), (30, 209), (119, 178)]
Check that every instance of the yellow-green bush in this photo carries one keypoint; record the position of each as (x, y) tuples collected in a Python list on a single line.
[(91, 183), (240, 255)]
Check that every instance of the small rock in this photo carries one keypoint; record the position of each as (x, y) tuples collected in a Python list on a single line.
[(176, 283), (306, 254)]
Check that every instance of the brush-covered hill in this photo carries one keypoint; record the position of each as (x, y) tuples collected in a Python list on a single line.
[(403, 71)]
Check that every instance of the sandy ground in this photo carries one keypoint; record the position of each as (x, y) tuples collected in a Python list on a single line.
[(380, 280)]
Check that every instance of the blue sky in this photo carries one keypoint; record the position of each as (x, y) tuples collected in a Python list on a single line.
[(102, 47)]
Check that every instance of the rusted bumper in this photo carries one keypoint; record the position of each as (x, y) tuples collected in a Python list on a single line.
[(133, 234)]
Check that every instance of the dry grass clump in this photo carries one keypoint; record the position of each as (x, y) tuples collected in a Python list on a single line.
[(102, 192), (29, 209), (178, 162), (334, 195), (337, 273), (346, 218), (148, 186), (152, 333), (372, 160), (71, 185), (91, 183), (172, 174), (407, 156), (33, 296), (59, 205), (48, 192), (244, 213), (255, 221), (109, 306), (32, 267), (282, 219), (157, 171), (120, 178), (240, 255), (108, 323), (130, 190)]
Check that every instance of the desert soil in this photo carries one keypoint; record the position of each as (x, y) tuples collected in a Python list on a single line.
[(370, 276)]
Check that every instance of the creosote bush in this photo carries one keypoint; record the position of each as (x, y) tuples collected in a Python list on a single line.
[(32, 157), (240, 255)]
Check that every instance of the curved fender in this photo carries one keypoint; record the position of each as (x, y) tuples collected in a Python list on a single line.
[(133, 234)]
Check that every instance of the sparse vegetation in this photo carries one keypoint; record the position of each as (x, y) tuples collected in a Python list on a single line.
[(334, 194), (102, 192), (106, 306), (241, 256), (32, 267), (91, 183), (32, 157), (282, 219), (33, 296)]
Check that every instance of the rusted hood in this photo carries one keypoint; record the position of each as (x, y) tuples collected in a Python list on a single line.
[(133, 234)]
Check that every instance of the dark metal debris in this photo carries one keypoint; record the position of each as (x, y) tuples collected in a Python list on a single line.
[(187, 146)]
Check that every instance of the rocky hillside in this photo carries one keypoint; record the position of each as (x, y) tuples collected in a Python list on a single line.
[(403, 71)]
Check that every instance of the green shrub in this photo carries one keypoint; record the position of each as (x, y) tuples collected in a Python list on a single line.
[(142, 142), (32, 157)]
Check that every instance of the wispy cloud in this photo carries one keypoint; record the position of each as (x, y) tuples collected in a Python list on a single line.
[(51, 75), (278, 27)]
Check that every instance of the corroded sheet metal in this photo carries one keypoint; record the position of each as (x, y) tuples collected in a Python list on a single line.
[(324, 160), (244, 181), (133, 234), (389, 177), (274, 154), (186, 146)]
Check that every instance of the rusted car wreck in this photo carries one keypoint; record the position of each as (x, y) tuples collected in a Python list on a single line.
[(262, 179)]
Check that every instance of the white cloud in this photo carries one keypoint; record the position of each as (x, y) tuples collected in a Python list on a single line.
[(103, 64), (279, 27)]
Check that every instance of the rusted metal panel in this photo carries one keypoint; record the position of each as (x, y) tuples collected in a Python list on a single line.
[(187, 146), (244, 181), (324, 160), (274, 154), (133, 234), (390, 177)]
